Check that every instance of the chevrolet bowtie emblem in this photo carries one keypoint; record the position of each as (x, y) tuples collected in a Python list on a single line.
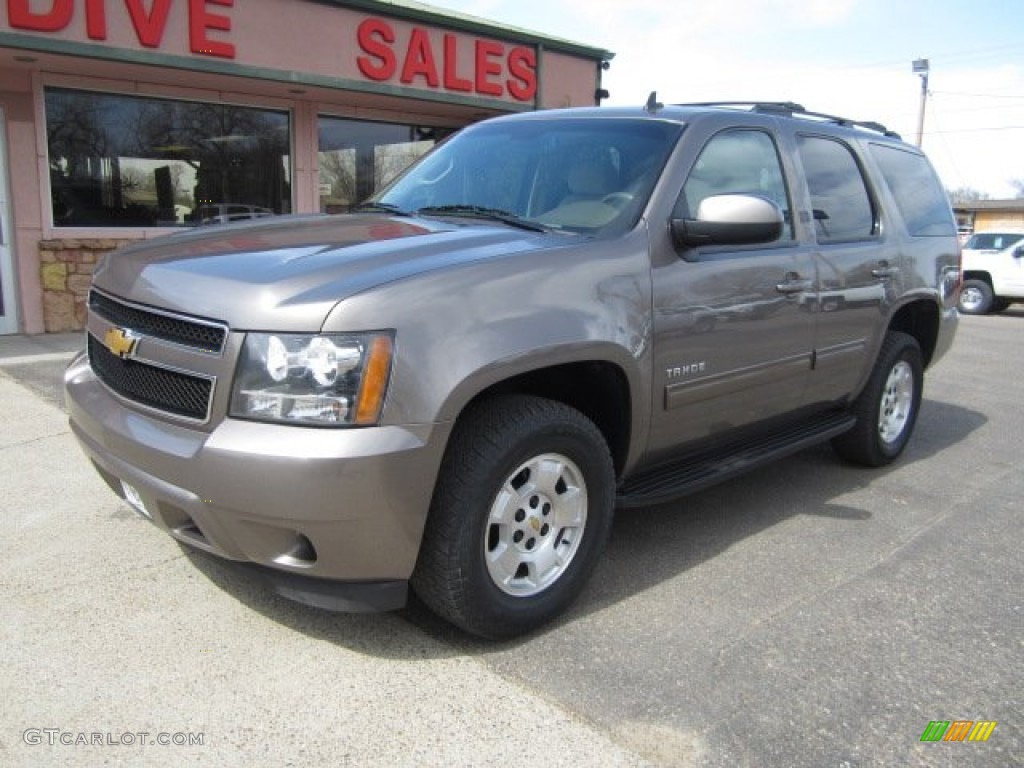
[(121, 342)]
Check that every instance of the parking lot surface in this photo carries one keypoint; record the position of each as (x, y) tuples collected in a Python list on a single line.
[(807, 614)]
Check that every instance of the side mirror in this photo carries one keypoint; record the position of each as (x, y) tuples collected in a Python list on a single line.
[(1018, 252), (730, 220)]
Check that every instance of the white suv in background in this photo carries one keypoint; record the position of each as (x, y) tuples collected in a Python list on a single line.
[(993, 272)]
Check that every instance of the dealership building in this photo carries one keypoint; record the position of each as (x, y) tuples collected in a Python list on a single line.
[(122, 120)]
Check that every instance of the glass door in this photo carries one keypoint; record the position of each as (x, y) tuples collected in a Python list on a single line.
[(8, 310)]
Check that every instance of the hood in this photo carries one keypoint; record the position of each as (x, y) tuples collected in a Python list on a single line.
[(285, 274)]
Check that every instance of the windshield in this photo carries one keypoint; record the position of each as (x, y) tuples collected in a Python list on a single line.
[(994, 241), (580, 175)]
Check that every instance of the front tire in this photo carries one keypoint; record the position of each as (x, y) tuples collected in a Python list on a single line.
[(519, 518), (887, 409), (976, 298)]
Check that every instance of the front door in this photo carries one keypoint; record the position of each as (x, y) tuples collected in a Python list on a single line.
[(8, 310), (733, 327), (1014, 271)]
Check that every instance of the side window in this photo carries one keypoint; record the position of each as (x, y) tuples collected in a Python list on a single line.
[(919, 195), (737, 161), (839, 197)]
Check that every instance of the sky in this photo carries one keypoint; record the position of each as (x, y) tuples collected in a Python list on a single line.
[(845, 57)]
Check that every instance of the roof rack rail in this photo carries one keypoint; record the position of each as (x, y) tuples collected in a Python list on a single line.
[(790, 108)]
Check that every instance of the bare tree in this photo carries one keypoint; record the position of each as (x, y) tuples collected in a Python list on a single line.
[(965, 195)]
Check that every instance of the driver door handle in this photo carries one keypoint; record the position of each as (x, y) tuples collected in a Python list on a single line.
[(793, 283)]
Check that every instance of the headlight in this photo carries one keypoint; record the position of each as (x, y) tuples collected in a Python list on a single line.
[(335, 380)]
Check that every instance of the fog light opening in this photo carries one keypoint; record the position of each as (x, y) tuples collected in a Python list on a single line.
[(301, 555), (189, 531)]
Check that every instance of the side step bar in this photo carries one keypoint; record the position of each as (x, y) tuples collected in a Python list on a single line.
[(669, 482)]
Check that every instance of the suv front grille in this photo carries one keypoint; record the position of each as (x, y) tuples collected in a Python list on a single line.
[(181, 394), (205, 335)]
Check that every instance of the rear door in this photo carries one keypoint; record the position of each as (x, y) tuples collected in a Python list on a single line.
[(858, 269)]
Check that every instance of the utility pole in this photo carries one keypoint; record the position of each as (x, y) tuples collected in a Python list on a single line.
[(920, 67)]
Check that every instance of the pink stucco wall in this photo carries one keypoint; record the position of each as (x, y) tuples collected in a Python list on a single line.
[(300, 55)]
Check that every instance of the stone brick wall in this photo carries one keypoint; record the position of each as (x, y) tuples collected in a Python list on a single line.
[(66, 270)]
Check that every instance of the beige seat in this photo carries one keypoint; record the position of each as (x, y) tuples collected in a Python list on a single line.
[(590, 181), (591, 178)]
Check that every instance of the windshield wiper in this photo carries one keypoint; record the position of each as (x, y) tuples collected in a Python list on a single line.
[(371, 207), (480, 212)]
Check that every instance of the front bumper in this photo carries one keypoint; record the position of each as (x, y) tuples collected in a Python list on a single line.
[(306, 504)]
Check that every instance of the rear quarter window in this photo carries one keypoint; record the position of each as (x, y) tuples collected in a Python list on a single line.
[(919, 196)]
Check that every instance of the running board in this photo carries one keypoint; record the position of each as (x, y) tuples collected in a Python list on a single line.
[(669, 482)]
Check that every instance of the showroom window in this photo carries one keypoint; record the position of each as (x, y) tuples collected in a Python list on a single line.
[(131, 161), (359, 158)]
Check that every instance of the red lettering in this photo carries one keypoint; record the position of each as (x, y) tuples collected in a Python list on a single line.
[(149, 27), (21, 16), (486, 67), (419, 59), (96, 19), (522, 68), (452, 81), (375, 37), (201, 21)]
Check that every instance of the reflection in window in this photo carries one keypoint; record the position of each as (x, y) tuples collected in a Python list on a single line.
[(128, 161), (359, 158), (737, 162), (918, 193), (839, 197), (577, 175)]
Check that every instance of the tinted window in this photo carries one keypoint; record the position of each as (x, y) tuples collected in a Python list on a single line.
[(132, 161), (839, 197), (919, 195), (736, 162)]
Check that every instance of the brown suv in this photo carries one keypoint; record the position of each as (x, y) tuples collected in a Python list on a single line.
[(551, 315)]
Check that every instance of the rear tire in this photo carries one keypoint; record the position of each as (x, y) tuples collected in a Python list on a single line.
[(887, 409), (520, 516), (976, 297)]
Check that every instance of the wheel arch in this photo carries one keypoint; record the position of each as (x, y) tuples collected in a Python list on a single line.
[(977, 274), (921, 320), (599, 389)]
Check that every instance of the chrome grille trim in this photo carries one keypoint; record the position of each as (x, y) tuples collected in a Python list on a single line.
[(197, 334)]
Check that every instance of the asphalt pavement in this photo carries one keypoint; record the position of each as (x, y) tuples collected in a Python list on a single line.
[(807, 614)]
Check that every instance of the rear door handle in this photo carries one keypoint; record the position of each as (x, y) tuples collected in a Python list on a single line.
[(885, 273)]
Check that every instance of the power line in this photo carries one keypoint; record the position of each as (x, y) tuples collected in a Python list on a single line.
[(978, 95), (986, 52), (976, 130)]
